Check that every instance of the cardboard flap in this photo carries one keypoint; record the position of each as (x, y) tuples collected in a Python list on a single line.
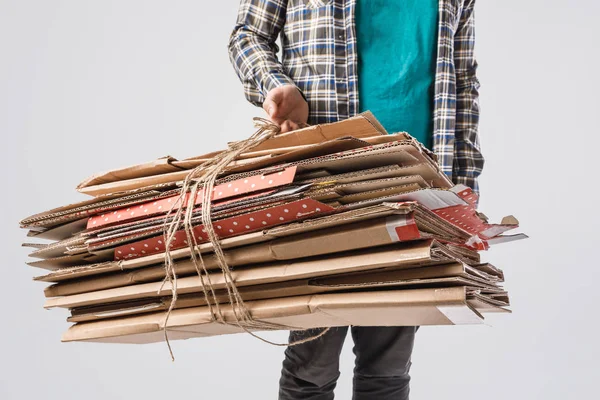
[(60, 232), (61, 215), (383, 308), (401, 255), (161, 166), (364, 125)]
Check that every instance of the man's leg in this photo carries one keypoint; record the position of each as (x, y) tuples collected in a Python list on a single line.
[(382, 362), (310, 370)]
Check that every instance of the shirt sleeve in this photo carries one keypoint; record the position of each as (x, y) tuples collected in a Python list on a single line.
[(253, 48), (468, 161)]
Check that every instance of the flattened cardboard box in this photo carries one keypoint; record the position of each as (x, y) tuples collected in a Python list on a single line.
[(298, 227), (447, 306), (400, 255), (364, 125), (384, 152), (359, 235), (480, 285), (403, 152)]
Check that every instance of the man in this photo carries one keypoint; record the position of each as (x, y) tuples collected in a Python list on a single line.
[(412, 63)]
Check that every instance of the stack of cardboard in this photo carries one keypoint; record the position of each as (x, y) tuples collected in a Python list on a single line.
[(332, 225)]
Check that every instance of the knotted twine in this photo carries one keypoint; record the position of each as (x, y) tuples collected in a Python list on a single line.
[(202, 178)]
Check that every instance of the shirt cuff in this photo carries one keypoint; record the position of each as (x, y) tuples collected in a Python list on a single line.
[(272, 80)]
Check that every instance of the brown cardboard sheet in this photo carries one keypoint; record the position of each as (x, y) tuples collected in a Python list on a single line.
[(296, 154), (403, 152), (372, 140), (59, 232), (357, 127), (69, 261), (400, 255), (364, 125), (161, 166), (58, 249), (446, 275), (445, 306), (63, 215)]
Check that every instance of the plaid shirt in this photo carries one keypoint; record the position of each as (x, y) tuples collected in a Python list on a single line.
[(319, 57)]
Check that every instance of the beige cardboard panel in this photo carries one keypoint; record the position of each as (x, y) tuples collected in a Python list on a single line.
[(434, 276), (452, 274), (161, 166), (60, 232), (136, 183), (81, 271), (358, 127), (82, 205), (403, 153), (328, 148), (383, 308), (359, 160), (491, 270), (372, 140), (378, 194), (401, 255), (271, 152), (360, 235), (253, 156), (430, 198), (59, 248), (451, 269), (392, 137), (387, 171), (485, 307), (322, 176), (53, 264), (297, 155), (355, 236), (377, 184), (34, 245), (62, 215), (317, 150), (97, 314), (193, 163)]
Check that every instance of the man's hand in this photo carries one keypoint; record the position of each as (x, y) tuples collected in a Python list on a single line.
[(286, 107)]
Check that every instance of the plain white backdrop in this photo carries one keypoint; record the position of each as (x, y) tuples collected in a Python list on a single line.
[(91, 85)]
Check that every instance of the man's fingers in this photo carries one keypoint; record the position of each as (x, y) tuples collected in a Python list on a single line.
[(288, 126), (270, 107), (272, 102)]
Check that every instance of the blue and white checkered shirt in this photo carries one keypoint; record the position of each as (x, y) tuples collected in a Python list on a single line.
[(319, 57)]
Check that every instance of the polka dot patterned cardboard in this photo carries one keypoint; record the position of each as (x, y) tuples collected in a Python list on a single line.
[(220, 192), (463, 217), (228, 227), (468, 195)]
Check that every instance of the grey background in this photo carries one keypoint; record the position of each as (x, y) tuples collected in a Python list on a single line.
[(92, 85)]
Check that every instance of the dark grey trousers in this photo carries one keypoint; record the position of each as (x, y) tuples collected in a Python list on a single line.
[(310, 370)]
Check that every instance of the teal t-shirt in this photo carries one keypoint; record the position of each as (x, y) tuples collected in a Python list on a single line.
[(397, 49)]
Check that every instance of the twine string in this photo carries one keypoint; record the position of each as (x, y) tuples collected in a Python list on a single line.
[(200, 183)]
